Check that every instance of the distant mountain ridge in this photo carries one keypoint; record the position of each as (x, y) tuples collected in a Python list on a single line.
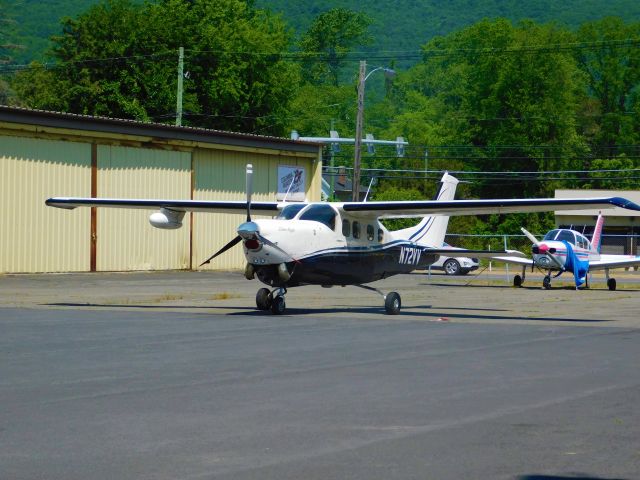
[(399, 25)]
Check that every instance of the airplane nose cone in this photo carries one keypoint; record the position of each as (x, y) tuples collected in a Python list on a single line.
[(248, 230)]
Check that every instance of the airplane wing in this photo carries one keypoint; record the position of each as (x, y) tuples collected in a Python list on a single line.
[(614, 261), (481, 207), (515, 259), (366, 209), (176, 205)]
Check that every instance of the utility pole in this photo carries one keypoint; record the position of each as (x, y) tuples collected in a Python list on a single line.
[(358, 142), (180, 78)]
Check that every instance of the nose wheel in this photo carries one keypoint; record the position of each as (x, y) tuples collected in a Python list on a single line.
[(546, 282), (271, 300)]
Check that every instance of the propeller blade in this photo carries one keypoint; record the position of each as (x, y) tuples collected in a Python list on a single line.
[(249, 189), (530, 236), (556, 261), (232, 243)]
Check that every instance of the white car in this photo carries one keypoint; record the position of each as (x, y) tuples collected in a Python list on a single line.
[(455, 265)]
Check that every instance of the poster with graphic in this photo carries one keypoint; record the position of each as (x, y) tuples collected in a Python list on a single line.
[(291, 183)]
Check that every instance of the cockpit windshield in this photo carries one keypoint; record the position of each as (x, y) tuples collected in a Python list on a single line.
[(566, 236), (320, 213), (290, 211), (551, 235)]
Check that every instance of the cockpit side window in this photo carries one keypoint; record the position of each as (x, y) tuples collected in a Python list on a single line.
[(320, 213), (551, 235), (290, 211), (567, 236), (582, 242)]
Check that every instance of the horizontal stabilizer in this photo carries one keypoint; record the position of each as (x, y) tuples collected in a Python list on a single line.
[(515, 260), (462, 252)]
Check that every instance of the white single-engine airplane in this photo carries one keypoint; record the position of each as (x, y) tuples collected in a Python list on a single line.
[(565, 250), (335, 243)]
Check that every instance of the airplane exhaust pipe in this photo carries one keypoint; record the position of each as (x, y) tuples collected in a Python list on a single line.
[(249, 272), (283, 272)]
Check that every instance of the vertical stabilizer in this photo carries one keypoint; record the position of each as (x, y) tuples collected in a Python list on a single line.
[(431, 230), (596, 240)]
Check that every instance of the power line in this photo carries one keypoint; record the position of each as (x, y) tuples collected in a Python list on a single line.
[(350, 56), (472, 172)]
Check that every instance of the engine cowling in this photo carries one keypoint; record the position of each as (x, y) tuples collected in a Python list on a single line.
[(166, 219)]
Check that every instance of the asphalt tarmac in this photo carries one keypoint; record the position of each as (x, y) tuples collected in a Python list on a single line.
[(175, 375)]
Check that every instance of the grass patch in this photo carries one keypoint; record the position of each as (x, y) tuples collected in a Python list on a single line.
[(224, 296)]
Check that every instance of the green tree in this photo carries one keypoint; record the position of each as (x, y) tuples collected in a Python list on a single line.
[(610, 117), (331, 36), (120, 59), (7, 49), (502, 97)]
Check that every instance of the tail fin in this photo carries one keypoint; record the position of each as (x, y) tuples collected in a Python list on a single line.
[(431, 230), (596, 240)]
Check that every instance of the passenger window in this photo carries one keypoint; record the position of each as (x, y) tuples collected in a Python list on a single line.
[(370, 233), (346, 227), (380, 235), (356, 229), (582, 242), (320, 213)]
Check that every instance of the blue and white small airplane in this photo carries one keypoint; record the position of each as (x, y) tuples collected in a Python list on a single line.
[(565, 250), (336, 243)]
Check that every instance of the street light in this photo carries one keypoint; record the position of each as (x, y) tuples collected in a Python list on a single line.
[(389, 73)]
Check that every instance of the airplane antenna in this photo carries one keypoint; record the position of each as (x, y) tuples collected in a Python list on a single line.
[(369, 189)]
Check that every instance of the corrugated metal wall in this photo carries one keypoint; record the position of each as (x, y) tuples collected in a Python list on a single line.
[(126, 240), (34, 237)]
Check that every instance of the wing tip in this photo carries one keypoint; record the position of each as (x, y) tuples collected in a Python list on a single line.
[(58, 203), (624, 203)]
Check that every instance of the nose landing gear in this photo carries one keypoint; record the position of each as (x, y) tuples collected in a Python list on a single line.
[(271, 300)]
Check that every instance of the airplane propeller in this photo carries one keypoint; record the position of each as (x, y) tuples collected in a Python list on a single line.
[(238, 239), (536, 242), (249, 189), (530, 236), (232, 243)]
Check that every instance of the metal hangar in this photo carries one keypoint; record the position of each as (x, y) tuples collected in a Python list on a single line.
[(45, 154)]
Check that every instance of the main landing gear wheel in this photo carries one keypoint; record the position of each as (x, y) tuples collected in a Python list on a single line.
[(277, 305), (611, 283), (263, 299), (392, 303), (546, 282), (517, 281)]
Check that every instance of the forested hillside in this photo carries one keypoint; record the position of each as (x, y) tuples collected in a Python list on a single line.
[(516, 108), (398, 25)]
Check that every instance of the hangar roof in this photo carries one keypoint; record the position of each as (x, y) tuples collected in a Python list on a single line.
[(88, 123)]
